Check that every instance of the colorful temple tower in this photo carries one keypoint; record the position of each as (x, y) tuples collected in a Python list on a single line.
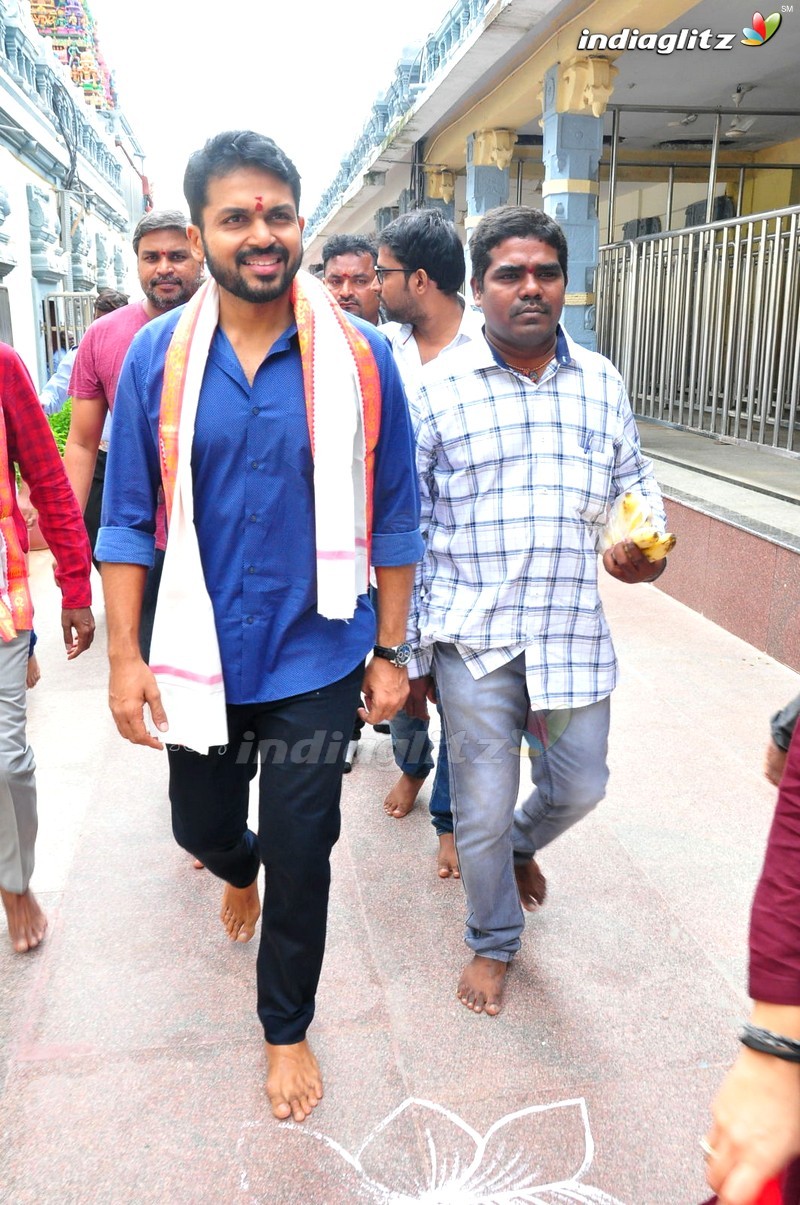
[(70, 25)]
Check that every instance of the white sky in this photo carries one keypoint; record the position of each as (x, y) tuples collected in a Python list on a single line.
[(305, 72)]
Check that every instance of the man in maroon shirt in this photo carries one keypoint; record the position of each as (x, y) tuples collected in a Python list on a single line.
[(756, 1127), (169, 276), (26, 440)]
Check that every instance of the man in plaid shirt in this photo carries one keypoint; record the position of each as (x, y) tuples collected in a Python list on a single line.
[(524, 439)]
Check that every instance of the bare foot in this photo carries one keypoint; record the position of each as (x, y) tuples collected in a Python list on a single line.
[(26, 921), (481, 985), (197, 864), (447, 860), (403, 796), (294, 1084), (240, 911), (531, 884), (34, 673)]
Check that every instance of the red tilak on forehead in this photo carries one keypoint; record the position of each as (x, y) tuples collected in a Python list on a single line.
[(259, 205)]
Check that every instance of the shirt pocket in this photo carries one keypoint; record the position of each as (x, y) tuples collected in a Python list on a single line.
[(579, 473), (593, 481)]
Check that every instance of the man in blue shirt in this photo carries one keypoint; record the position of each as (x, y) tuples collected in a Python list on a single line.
[(291, 676)]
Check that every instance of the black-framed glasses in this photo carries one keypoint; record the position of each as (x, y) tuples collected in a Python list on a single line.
[(381, 272)]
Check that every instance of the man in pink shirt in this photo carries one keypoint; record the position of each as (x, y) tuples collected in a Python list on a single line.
[(169, 276)]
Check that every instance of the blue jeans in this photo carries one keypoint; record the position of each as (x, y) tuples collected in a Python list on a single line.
[(413, 754), (487, 725)]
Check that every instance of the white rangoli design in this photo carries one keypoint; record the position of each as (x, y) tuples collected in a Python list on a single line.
[(424, 1153)]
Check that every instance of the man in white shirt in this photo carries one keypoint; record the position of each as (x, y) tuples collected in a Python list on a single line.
[(523, 441), (419, 272)]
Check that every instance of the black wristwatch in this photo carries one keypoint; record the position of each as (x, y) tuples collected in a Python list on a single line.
[(399, 655)]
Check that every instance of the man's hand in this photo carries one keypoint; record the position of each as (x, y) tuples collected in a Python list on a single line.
[(385, 690), (130, 686), (26, 508), (774, 762), (627, 563), (756, 1129), (77, 624), (421, 692)]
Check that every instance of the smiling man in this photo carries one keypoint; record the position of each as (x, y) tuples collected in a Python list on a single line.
[(280, 432), (523, 441)]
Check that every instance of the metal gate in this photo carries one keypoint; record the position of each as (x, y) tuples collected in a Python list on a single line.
[(703, 325), (65, 317)]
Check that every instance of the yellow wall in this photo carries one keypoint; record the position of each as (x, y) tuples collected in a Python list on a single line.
[(764, 189)]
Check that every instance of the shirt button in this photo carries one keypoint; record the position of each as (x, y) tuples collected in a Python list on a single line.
[(249, 619), (255, 410), (254, 464), (251, 569), (254, 518)]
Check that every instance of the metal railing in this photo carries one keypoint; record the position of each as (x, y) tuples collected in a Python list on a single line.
[(704, 325), (65, 317)]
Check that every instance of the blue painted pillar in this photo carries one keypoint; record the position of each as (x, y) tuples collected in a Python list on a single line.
[(447, 208), (573, 144), (488, 158)]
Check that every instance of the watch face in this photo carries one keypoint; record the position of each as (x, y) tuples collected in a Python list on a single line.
[(402, 654)]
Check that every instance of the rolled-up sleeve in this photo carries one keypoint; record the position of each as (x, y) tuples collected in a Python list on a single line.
[(633, 470)]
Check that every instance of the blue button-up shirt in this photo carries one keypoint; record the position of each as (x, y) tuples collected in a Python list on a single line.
[(254, 507)]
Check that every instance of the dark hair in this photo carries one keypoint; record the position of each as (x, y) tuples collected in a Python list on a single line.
[(224, 154), (349, 244), (514, 221), (158, 219), (108, 300), (426, 239)]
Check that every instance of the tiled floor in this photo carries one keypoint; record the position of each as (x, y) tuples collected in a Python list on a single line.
[(130, 1059)]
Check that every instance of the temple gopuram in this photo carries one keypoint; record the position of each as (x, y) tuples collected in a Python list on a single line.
[(72, 179), (70, 25)]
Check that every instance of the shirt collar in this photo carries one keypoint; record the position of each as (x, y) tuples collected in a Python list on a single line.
[(562, 352), (222, 353)]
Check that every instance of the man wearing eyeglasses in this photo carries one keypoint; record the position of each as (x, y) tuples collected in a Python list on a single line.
[(348, 269), (419, 272)]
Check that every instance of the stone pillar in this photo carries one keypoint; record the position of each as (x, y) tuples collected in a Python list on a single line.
[(382, 217), (488, 157), (8, 260), (84, 269), (103, 251), (575, 98), (406, 202), (440, 190), (47, 256)]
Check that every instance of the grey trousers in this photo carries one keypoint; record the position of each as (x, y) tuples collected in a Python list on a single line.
[(18, 820), (488, 726)]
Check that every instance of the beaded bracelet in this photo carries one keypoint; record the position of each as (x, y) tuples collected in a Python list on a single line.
[(767, 1042)]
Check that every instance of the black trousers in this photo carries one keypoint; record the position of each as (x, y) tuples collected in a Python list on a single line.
[(94, 503), (300, 743)]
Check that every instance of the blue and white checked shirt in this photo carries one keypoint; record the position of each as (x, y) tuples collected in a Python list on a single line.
[(516, 479)]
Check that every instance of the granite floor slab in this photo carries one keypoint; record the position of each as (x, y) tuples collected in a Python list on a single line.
[(131, 1068)]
